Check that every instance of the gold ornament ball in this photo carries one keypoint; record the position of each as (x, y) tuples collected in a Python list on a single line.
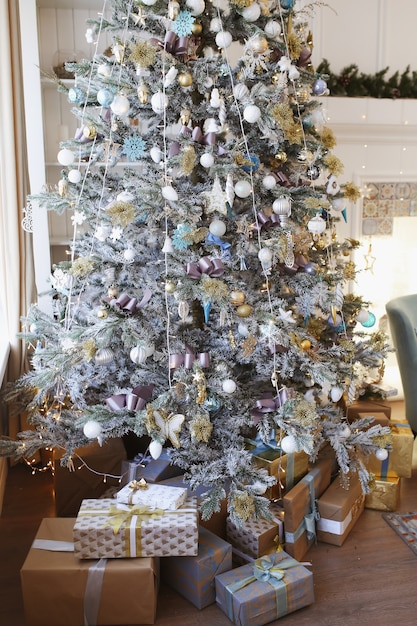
[(244, 310), (143, 95), (237, 297), (281, 156), (259, 44), (112, 292), (102, 314), (266, 286), (185, 79), (305, 344), (197, 29), (169, 286)]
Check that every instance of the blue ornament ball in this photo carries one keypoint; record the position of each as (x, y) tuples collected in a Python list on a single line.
[(319, 87), (212, 404), (105, 97), (255, 164), (287, 4), (75, 94), (368, 323)]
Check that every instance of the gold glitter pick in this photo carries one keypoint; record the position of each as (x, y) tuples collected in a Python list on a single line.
[(249, 345)]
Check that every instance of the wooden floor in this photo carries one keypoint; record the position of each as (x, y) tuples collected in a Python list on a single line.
[(371, 580)]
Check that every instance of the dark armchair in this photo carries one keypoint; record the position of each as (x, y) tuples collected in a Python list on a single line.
[(402, 317)]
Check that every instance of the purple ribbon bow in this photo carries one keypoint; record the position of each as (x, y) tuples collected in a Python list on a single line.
[(268, 403), (267, 221), (213, 268), (131, 304), (186, 360), (134, 401)]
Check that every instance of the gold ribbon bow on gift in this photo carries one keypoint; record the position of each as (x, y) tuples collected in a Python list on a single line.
[(137, 485), (118, 516)]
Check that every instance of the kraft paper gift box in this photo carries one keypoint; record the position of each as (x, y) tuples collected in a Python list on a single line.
[(152, 470), (339, 510), (193, 576), (154, 496), (300, 509), (400, 457), (288, 469), (366, 407), (107, 529), (217, 522), (378, 417), (248, 601), (257, 537), (385, 495), (59, 589), (72, 487)]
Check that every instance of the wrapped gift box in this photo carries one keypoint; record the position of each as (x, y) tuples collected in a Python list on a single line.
[(378, 417), (217, 522), (193, 576), (339, 510), (248, 601), (288, 469), (367, 407), (400, 457), (152, 470), (258, 536), (385, 496), (300, 512), (107, 529), (153, 496), (327, 452), (58, 589), (72, 487)]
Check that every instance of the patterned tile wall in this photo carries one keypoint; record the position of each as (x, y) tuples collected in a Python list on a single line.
[(384, 201)]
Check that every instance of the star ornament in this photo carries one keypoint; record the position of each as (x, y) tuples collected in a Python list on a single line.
[(286, 316), (216, 199)]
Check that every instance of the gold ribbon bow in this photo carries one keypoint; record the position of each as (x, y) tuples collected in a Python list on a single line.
[(137, 485), (118, 517)]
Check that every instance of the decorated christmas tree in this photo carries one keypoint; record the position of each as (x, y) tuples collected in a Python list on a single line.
[(206, 297)]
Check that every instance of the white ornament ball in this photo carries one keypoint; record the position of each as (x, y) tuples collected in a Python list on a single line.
[(243, 188), (243, 330), (265, 255), (272, 29), (120, 105), (240, 91), (138, 355), (259, 488), (129, 254), (229, 386), (224, 39), (362, 316), (155, 449), (217, 228), (345, 433), (169, 193), (252, 12), (104, 356), (207, 160), (104, 70), (381, 454), (159, 102), (156, 154), (215, 25), (74, 176), (336, 393), (196, 6), (92, 429), (65, 157), (289, 444), (338, 204), (251, 113), (269, 181)]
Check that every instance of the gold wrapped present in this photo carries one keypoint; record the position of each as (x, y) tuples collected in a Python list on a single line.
[(60, 590), (385, 495), (288, 469), (400, 458), (339, 510), (106, 529), (257, 537)]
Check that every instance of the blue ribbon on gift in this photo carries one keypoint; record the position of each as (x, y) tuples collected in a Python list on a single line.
[(267, 569), (308, 524)]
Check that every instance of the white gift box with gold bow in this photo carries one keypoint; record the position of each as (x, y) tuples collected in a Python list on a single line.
[(152, 495)]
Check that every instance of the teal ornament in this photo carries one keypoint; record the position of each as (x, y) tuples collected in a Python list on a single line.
[(75, 95), (344, 215), (287, 4), (212, 404), (206, 309), (255, 164), (368, 323), (105, 97)]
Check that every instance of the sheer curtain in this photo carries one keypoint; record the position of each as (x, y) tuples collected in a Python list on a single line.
[(16, 259)]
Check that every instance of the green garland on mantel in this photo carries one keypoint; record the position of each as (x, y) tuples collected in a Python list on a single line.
[(355, 84)]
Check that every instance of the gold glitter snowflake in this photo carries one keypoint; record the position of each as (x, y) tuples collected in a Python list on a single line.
[(89, 349), (243, 505), (333, 164), (214, 290), (241, 4), (304, 414), (351, 192), (81, 267), (201, 427), (249, 345), (143, 54), (295, 46), (349, 271), (121, 213), (188, 159)]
